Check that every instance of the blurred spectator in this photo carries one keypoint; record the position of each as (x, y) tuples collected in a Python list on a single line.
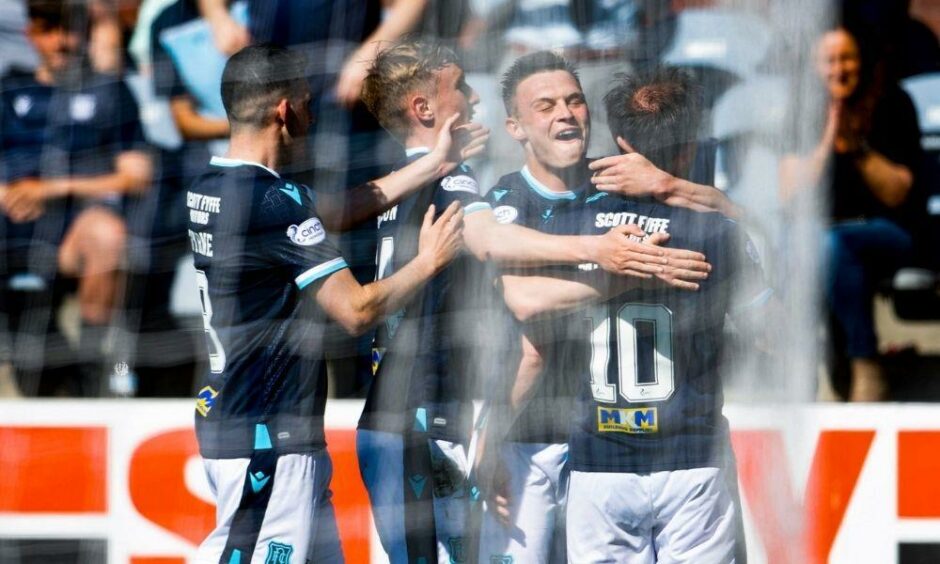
[(72, 151), (868, 159)]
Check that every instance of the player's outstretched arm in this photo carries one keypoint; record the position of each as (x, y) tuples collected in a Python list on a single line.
[(340, 212), (633, 175), (615, 251), (357, 307), (531, 297)]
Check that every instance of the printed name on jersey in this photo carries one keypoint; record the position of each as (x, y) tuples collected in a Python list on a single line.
[(390, 215), (205, 400), (646, 223), (460, 183), (307, 233), (200, 242), (627, 420), (506, 214)]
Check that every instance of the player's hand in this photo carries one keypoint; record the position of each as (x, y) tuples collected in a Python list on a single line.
[(440, 241), (631, 175), (456, 144), (620, 251), (493, 480), (228, 35), (684, 270), (351, 77), (25, 200)]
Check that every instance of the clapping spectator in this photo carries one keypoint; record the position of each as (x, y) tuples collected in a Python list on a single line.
[(866, 163)]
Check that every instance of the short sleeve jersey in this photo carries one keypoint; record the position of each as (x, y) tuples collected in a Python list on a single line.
[(521, 199), (75, 128), (651, 394), (257, 245), (421, 380)]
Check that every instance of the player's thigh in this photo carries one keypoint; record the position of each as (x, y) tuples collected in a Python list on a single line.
[(695, 517), (608, 518), (534, 473), (226, 479), (451, 499), (96, 235), (381, 466), (299, 519)]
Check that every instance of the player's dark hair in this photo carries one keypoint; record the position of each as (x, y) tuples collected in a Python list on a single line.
[(407, 66), (657, 112), (256, 78), (527, 65), (70, 15)]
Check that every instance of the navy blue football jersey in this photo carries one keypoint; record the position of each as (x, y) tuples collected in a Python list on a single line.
[(423, 378), (257, 244), (521, 199), (651, 395)]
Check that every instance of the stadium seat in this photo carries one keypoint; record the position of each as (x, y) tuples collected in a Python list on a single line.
[(916, 290), (721, 46)]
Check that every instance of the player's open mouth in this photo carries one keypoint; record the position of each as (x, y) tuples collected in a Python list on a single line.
[(568, 134)]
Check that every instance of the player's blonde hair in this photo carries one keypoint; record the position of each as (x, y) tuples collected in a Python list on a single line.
[(404, 68)]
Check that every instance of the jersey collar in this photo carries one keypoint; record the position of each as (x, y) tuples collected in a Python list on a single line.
[(414, 151), (543, 190), (228, 163)]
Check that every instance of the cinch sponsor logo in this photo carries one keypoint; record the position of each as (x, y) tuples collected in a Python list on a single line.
[(633, 421), (506, 214), (307, 233), (460, 183)]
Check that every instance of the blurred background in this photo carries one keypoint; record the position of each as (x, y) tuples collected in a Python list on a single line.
[(108, 109)]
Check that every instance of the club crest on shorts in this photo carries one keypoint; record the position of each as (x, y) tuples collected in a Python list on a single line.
[(455, 544), (622, 420), (278, 553)]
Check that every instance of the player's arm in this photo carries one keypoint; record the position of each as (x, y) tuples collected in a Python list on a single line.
[(343, 211), (229, 35), (615, 251), (25, 199), (356, 308), (194, 126), (633, 175), (531, 297), (402, 16)]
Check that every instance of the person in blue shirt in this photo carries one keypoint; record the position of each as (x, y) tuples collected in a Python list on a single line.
[(269, 276), (649, 447), (71, 153), (416, 426)]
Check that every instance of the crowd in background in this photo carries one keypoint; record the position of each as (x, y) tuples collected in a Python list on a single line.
[(110, 107)]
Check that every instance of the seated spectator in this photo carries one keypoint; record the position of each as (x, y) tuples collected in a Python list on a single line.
[(866, 162), (71, 150)]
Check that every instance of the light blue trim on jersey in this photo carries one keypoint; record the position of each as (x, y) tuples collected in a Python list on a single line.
[(317, 272), (596, 197), (231, 163), (421, 419), (543, 190), (262, 437), (236, 557), (416, 151), (759, 300), (475, 207)]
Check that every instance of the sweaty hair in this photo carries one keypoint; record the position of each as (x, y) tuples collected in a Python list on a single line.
[(256, 78), (70, 15), (406, 67), (526, 66), (658, 112)]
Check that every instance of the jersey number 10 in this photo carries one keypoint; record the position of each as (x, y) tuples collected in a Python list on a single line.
[(644, 353)]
